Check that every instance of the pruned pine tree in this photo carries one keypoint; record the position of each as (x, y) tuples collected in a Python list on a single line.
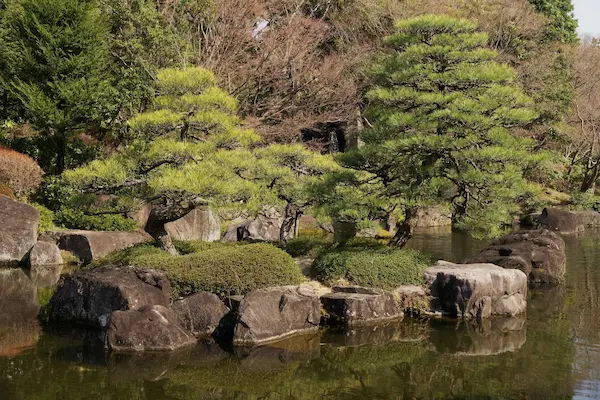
[(289, 172), (189, 150), (440, 111)]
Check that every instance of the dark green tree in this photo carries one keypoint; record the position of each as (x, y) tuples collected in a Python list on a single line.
[(440, 112), (56, 68), (563, 25)]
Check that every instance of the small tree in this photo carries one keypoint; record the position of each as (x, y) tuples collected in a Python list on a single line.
[(440, 111), (563, 25), (19, 172), (189, 150)]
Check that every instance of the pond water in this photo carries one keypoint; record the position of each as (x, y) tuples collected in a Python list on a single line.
[(552, 352)]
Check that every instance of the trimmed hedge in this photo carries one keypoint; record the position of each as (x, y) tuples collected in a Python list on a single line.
[(307, 245), (74, 219), (371, 264), (221, 269)]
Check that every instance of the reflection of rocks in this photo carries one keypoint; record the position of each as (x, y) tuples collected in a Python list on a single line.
[(45, 276), (16, 338), (150, 328), (351, 305), (540, 254), (89, 297), (18, 297), (475, 291), (273, 355), (377, 334), (479, 338), (547, 301)]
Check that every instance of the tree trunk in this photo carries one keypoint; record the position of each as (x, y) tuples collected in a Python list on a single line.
[(404, 231), (590, 178), (291, 214), (163, 239)]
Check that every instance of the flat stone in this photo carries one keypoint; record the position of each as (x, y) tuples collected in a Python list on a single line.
[(274, 313), (476, 291), (150, 328), (18, 230), (201, 313), (91, 245), (563, 221), (89, 298), (540, 254), (357, 305)]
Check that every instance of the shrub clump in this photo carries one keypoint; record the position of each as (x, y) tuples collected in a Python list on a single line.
[(372, 265), (46, 218), (221, 269), (307, 245), (19, 172)]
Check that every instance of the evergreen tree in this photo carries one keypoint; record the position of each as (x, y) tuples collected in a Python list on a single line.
[(440, 111), (189, 150), (55, 68), (563, 25)]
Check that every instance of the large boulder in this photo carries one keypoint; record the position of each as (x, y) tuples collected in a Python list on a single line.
[(44, 253), (476, 291), (264, 228), (91, 245), (426, 217), (18, 297), (18, 230), (273, 313), (201, 313), (150, 328), (352, 305), (563, 221), (89, 298), (198, 224), (540, 254)]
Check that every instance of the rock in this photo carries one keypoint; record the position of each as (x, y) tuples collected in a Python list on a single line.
[(476, 291), (44, 253), (563, 221), (18, 297), (540, 254), (273, 313), (88, 298), (264, 228), (150, 328), (91, 245), (201, 313), (426, 217), (18, 230), (357, 305), (198, 224), (413, 299), (590, 219)]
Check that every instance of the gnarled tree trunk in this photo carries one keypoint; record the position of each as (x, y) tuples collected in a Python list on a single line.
[(290, 217), (404, 231)]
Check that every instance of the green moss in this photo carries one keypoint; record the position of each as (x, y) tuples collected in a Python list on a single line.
[(371, 264), (219, 268)]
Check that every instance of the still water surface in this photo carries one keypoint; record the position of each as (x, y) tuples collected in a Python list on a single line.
[(552, 352)]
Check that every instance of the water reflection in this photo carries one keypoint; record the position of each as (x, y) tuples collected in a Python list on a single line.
[(551, 352)]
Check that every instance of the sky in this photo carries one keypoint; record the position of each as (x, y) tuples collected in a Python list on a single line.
[(588, 14)]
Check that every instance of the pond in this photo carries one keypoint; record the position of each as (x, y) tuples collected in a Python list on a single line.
[(552, 352)]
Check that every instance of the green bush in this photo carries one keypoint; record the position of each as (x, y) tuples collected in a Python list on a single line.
[(196, 246), (306, 245), (585, 201), (371, 264), (74, 219), (221, 269), (46, 218)]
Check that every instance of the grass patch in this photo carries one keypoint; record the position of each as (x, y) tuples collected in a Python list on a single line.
[(223, 269), (372, 264)]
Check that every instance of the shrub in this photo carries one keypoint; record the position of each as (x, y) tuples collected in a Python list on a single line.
[(306, 245), (19, 172), (46, 218), (6, 191), (372, 265), (74, 219), (196, 246), (222, 269)]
